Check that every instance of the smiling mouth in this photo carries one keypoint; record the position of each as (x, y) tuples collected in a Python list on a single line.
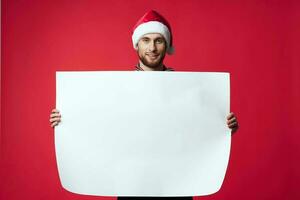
[(152, 56)]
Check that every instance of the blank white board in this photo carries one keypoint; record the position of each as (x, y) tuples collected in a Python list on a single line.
[(134, 133)]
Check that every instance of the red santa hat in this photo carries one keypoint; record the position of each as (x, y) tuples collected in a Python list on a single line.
[(153, 22)]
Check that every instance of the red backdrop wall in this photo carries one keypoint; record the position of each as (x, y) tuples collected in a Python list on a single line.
[(256, 41)]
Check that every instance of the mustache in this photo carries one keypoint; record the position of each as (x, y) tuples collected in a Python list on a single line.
[(152, 54)]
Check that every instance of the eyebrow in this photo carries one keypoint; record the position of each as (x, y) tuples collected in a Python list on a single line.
[(159, 37)]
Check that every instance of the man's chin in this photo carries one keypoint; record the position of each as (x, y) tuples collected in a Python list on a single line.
[(151, 63)]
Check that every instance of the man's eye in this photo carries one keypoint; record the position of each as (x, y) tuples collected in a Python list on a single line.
[(159, 41), (145, 39)]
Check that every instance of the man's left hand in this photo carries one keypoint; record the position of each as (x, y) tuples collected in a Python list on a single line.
[(232, 122)]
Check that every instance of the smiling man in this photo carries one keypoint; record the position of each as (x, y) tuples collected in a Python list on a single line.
[(152, 39), (151, 52)]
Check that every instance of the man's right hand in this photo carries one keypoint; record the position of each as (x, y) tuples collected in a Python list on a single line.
[(55, 117)]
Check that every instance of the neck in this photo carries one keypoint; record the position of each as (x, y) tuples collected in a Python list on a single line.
[(160, 67)]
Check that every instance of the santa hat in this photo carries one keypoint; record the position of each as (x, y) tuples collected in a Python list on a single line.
[(153, 22)]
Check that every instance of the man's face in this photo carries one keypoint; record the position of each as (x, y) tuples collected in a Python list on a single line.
[(152, 49)]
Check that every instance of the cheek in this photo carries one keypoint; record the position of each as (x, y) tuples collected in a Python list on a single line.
[(161, 48), (142, 45), (140, 52), (141, 48)]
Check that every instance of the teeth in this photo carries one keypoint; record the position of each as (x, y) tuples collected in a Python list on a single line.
[(152, 56)]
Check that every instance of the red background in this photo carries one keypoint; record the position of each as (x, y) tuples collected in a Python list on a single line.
[(256, 41)]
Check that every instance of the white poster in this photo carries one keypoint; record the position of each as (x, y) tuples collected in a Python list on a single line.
[(135, 133)]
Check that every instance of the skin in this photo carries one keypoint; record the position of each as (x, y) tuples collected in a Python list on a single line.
[(151, 52)]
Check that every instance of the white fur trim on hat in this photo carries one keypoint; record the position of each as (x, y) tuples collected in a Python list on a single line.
[(152, 27)]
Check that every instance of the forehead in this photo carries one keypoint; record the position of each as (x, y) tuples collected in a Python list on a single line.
[(153, 36)]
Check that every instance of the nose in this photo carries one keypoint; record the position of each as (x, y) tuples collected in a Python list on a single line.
[(152, 46)]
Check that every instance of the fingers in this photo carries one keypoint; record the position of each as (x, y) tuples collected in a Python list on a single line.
[(230, 116), (54, 110), (55, 117), (55, 121), (233, 125), (232, 122), (54, 124)]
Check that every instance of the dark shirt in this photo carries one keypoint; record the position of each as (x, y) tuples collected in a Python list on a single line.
[(138, 68), (155, 198)]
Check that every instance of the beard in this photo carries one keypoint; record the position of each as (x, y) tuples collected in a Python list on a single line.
[(152, 65)]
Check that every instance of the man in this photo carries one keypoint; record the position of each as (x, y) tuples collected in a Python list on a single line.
[(152, 39)]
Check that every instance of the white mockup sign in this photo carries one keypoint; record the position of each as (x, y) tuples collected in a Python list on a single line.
[(137, 133)]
